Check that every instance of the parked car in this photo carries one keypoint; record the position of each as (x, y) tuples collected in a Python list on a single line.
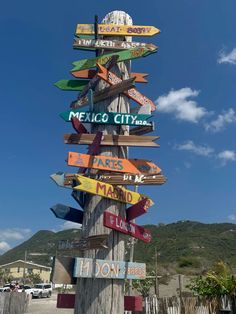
[(5, 289), (42, 290), (28, 290)]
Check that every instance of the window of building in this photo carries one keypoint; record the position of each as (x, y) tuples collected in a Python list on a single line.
[(18, 269), (30, 271)]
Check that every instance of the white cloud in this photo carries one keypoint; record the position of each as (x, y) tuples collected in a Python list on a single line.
[(231, 217), (201, 150), (4, 246), (226, 156), (14, 234), (220, 122), (71, 225), (227, 58), (178, 103)]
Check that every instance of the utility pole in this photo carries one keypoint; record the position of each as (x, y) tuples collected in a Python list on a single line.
[(157, 292), (25, 259)]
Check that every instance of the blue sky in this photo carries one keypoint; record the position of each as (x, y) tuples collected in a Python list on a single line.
[(191, 78)]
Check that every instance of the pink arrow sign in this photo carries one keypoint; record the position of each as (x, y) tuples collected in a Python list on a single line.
[(117, 223), (137, 209)]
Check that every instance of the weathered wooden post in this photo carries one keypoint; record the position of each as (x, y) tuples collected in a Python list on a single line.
[(105, 168), (105, 295)]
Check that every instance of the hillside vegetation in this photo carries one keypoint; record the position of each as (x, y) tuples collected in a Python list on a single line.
[(181, 247)]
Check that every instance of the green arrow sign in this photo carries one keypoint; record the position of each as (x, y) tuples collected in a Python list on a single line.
[(106, 117), (71, 85), (123, 56)]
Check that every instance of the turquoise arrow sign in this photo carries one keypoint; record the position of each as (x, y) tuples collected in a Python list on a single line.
[(106, 117), (122, 56)]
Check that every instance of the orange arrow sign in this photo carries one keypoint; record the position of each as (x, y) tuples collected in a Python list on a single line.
[(132, 93), (89, 74), (135, 166)]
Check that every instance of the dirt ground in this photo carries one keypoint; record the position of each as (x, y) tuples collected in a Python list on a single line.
[(46, 306)]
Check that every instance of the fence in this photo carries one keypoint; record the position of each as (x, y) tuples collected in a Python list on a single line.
[(188, 305), (13, 302)]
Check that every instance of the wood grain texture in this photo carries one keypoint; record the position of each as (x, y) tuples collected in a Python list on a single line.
[(119, 179), (106, 296), (88, 74), (117, 30), (112, 140), (133, 166)]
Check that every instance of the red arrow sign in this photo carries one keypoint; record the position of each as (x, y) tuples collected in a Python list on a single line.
[(137, 209), (78, 126), (123, 226)]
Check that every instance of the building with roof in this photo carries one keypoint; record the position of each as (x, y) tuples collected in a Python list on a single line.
[(20, 269)]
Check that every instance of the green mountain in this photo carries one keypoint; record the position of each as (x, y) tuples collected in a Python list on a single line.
[(42, 242), (184, 247)]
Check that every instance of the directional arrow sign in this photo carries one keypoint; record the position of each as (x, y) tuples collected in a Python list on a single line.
[(137, 210), (115, 118), (93, 242), (119, 179), (81, 43), (95, 80), (109, 191), (104, 93), (117, 30), (112, 140), (129, 179), (78, 196), (122, 56), (106, 269), (140, 130), (78, 126), (71, 85), (134, 166), (88, 74), (58, 178), (132, 93), (117, 223), (68, 213)]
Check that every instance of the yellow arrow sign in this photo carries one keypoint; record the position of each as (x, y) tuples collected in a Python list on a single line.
[(117, 30), (109, 191)]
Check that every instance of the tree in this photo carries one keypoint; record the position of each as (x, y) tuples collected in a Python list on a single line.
[(143, 286), (34, 278), (218, 282)]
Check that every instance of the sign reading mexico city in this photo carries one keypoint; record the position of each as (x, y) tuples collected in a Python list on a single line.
[(106, 117)]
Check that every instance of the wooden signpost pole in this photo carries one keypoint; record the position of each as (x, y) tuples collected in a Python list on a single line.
[(96, 296)]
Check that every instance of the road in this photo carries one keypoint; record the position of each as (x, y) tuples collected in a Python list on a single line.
[(46, 306)]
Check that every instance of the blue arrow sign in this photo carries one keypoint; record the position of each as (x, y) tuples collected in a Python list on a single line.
[(68, 213)]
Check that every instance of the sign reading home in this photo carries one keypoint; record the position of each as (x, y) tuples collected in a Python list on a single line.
[(105, 269)]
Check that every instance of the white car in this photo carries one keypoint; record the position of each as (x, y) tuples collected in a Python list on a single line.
[(28, 290), (4, 289), (42, 290)]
